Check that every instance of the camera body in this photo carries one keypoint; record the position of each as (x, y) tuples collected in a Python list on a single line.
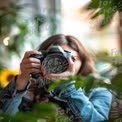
[(54, 59)]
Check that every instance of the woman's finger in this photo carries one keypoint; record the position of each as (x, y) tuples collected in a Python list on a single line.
[(28, 53), (32, 65)]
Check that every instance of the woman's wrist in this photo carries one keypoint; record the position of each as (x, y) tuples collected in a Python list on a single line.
[(21, 82)]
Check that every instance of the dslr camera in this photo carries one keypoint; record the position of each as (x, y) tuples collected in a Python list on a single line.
[(54, 59)]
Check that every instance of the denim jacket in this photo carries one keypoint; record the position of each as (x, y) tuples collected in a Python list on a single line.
[(93, 107)]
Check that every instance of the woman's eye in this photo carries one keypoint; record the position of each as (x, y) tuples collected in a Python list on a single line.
[(73, 58)]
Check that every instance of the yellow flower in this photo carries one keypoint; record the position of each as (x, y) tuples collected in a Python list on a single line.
[(6, 76)]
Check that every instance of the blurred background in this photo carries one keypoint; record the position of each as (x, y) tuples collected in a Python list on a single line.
[(26, 24)]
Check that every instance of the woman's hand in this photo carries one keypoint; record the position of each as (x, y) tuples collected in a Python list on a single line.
[(27, 66), (64, 75)]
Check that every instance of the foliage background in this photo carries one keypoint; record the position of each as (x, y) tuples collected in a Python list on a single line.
[(9, 18)]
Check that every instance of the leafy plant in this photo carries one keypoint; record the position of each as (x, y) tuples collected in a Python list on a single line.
[(88, 82), (43, 112), (107, 8)]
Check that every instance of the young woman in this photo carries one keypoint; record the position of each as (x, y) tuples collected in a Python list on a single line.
[(93, 107)]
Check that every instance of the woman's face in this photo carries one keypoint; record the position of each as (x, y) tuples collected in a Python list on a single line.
[(78, 62)]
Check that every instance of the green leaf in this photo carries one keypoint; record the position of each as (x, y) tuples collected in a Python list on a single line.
[(89, 84), (43, 111), (64, 89), (80, 81), (107, 8), (117, 83), (56, 84), (94, 4)]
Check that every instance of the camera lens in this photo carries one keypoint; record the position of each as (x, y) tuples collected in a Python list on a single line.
[(55, 63)]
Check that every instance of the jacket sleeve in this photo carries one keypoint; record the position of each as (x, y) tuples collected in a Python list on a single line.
[(95, 107), (10, 99)]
